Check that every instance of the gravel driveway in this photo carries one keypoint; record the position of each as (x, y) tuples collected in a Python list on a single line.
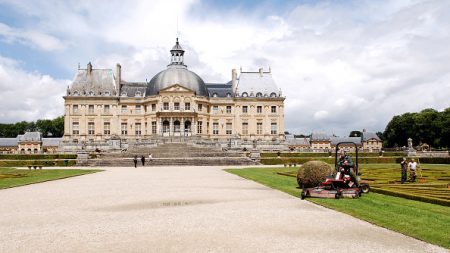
[(179, 209)]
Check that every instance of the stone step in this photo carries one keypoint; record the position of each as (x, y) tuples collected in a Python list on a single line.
[(172, 161)]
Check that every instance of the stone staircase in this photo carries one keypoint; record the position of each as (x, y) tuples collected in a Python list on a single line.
[(173, 154)]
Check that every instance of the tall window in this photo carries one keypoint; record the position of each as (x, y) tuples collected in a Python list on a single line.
[(273, 109), (228, 109), (259, 128), (137, 128), (91, 109), (106, 128), (216, 128), (124, 128), (199, 127), (91, 128), (153, 127), (75, 108), (200, 107), (75, 128), (124, 109), (166, 106), (229, 128), (273, 128), (106, 108), (259, 109), (138, 109), (176, 106), (244, 109), (187, 106), (215, 109), (153, 107), (244, 127)]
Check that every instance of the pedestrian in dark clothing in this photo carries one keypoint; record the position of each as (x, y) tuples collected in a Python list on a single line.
[(143, 161), (404, 165), (135, 161)]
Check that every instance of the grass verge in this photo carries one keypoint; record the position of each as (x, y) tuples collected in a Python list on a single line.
[(424, 221), (10, 177)]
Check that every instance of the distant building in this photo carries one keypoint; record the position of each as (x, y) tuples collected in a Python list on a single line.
[(346, 146), (320, 142), (101, 108), (298, 144), (371, 142), (29, 143)]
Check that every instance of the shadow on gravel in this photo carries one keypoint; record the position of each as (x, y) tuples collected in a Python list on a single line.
[(156, 205)]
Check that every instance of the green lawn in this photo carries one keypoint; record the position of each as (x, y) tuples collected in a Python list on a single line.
[(424, 221), (10, 177)]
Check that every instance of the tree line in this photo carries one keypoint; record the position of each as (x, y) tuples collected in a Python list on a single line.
[(48, 128), (426, 127)]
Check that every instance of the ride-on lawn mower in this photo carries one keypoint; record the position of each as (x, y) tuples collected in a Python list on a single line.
[(342, 184)]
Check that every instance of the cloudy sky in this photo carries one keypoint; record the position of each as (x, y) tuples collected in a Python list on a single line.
[(342, 65)]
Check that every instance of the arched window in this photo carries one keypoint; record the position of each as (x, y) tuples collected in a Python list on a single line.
[(76, 93), (123, 94), (138, 94), (214, 95), (259, 94), (91, 93), (228, 95), (244, 94), (273, 94), (107, 93)]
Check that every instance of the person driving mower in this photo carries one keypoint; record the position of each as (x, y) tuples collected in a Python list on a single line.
[(346, 164)]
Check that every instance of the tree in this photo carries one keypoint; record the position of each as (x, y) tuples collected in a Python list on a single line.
[(428, 126), (54, 127)]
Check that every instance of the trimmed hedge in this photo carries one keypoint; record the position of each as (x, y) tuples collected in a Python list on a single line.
[(363, 160), (325, 154), (37, 156), (45, 163), (422, 198)]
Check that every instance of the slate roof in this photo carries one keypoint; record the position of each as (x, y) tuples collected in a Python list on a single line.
[(222, 90), (297, 141), (336, 140), (97, 82), (51, 142), (8, 142), (320, 137), (133, 89), (370, 135), (256, 82), (30, 136)]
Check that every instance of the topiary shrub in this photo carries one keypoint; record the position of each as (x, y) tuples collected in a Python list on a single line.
[(314, 173), (300, 176)]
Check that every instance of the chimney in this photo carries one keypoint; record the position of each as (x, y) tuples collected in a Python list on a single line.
[(233, 80), (261, 71), (89, 67), (118, 75)]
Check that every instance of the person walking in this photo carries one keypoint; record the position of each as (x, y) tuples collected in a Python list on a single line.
[(404, 165), (150, 157), (143, 161), (135, 161), (412, 170)]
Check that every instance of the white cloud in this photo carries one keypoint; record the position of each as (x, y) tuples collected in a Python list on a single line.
[(30, 37), (342, 66), (28, 96)]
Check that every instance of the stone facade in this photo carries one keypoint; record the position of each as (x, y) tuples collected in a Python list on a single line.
[(29, 143), (101, 107)]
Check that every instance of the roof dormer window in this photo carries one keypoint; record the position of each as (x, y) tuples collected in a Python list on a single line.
[(107, 93), (76, 93), (244, 94), (123, 94), (91, 93), (138, 94), (228, 95), (214, 95), (259, 94), (273, 95)]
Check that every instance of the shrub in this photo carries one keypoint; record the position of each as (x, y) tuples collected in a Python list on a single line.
[(300, 176), (36, 156), (315, 172)]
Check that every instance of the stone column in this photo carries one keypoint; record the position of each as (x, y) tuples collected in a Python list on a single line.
[(182, 126), (171, 127)]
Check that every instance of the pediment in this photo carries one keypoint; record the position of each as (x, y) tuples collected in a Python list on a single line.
[(176, 88)]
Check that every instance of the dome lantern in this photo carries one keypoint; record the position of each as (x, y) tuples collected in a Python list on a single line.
[(177, 54)]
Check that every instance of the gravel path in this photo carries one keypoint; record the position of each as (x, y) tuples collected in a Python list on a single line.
[(172, 209)]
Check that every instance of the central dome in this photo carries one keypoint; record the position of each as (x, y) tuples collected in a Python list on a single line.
[(176, 73)]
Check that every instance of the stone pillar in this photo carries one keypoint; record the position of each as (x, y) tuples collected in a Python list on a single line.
[(171, 127), (182, 126)]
